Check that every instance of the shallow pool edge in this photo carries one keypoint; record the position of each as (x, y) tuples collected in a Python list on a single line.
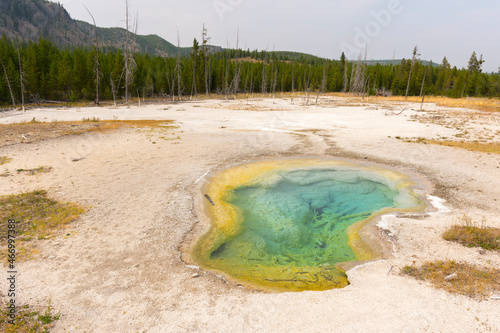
[(365, 238)]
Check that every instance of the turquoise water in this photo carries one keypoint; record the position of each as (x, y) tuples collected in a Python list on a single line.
[(299, 218), (287, 224)]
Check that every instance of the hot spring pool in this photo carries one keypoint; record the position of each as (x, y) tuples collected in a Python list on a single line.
[(286, 224)]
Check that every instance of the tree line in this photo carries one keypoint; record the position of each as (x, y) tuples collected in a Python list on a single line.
[(40, 71)]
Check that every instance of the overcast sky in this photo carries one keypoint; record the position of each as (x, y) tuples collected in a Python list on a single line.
[(451, 28)]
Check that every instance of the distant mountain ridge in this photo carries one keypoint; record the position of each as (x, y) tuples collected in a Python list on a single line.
[(395, 62), (28, 20)]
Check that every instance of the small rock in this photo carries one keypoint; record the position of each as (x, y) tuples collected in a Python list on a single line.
[(481, 251), (195, 275), (52, 257), (450, 277)]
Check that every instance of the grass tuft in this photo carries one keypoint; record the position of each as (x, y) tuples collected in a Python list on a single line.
[(4, 160), (37, 216), (463, 279), (28, 320), (36, 171), (473, 234), (91, 120)]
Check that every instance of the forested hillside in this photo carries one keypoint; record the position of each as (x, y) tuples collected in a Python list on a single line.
[(29, 20)]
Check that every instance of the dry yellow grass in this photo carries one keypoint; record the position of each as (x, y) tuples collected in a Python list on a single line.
[(493, 147), (34, 130), (482, 104), (4, 160), (37, 216), (473, 234), (458, 278)]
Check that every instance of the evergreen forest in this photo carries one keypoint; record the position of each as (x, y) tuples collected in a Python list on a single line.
[(38, 72)]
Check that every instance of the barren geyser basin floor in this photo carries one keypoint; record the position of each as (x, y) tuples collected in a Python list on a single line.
[(152, 253)]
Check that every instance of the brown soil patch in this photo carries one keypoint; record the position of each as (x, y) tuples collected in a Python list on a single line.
[(36, 131)]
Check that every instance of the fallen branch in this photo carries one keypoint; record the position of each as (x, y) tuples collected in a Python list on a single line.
[(392, 113)]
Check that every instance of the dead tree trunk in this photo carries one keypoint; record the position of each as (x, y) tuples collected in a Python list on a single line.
[(115, 87), (365, 90), (127, 53), (359, 80), (245, 89), (209, 76), (21, 77), (264, 77), (465, 84), (172, 91), (226, 78), (251, 81), (8, 84), (96, 69), (275, 80), (178, 67), (351, 83), (282, 83), (423, 82), (344, 89), (306, 83), (422, 93), (323, 84), (193, 86), (237, 72), (167, 74), (413, 59), (130, 64), (308, 87), (205, 39)]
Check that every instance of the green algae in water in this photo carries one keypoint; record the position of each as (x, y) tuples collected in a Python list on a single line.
[(294, 227)]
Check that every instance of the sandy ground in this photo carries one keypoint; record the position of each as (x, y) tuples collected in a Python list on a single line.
[(119, 268)]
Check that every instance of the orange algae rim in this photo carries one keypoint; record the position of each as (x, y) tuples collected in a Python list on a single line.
[(226, 220)]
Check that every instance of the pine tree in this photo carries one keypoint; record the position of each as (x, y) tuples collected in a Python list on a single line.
[(413, 59), (474, 69), (475, 64), (194, 60), (343, 69)]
